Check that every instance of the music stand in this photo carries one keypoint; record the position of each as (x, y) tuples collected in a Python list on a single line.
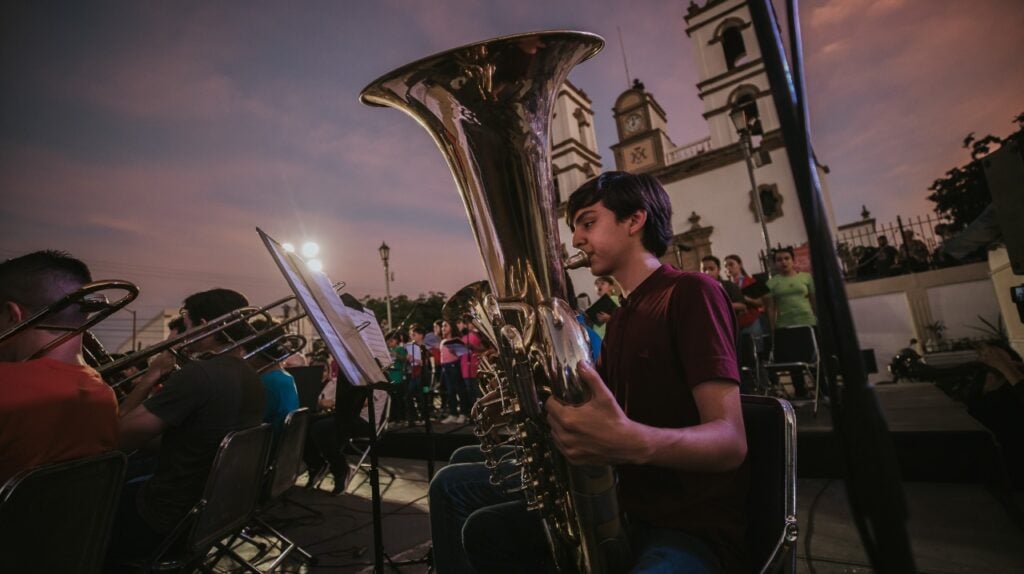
[(358, 348)]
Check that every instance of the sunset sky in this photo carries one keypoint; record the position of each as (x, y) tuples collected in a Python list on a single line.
[(150, 139)]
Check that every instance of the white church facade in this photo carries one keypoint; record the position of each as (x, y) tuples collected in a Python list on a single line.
[(707, 180)]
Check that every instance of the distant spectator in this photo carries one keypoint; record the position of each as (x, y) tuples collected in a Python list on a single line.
[(712, 266), (605, 285), (885, 257), (913, 253), (791, 303), (749, 320)]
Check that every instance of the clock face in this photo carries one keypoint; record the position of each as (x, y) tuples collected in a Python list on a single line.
[(633, 122)]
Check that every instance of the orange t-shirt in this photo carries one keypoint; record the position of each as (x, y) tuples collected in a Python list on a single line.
[(52, 411)]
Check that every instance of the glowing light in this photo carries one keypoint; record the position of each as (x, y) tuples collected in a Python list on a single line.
[(310, 249), (315, 265), (288, 247)]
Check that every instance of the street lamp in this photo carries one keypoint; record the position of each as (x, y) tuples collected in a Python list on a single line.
[(385, 253), (746, 127)]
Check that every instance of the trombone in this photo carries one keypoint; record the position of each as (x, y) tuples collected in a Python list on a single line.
[(263, 340), (91, 300)]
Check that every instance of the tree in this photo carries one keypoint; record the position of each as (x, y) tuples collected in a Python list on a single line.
[(424, 309), (963, 193)]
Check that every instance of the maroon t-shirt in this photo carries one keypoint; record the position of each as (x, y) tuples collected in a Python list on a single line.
[(675, 331)]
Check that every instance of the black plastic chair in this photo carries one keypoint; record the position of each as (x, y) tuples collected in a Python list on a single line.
[(284, 468), (57, 517), (228, 502), (771, 503), (796, 348)]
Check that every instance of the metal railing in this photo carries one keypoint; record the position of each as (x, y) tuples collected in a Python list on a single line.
[(910, 245), (689, 150)]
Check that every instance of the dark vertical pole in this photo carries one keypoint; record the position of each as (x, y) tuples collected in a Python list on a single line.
[(873, 483)]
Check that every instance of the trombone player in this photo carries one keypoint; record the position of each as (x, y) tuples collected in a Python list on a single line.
[(198, 405), (53, 407)]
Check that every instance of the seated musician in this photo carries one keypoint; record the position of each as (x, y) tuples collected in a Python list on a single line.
[(55, 407), (665, 409), (343, 415), (281, 394), (198, 406)]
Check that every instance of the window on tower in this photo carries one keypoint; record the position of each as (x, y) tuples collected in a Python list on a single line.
[(747, 101), (732, 46)]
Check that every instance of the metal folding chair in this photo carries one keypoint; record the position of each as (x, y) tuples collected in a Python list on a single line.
[(796, 348), (284, 468), (771, 503), (57, 517), (752, 373), (227, 505)]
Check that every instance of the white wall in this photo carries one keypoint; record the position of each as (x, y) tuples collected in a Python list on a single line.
[(722, 198), (958, 307), (883, 323)]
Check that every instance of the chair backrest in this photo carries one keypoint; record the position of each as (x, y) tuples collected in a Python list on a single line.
[(57, 517), (286, 460), (795, 344), (309, 381), (232, 488), (771, 503)]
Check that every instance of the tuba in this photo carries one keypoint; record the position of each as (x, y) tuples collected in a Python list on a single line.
[(488, 107)]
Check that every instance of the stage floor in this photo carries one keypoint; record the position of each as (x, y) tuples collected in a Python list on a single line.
[(955, 528), (958, 522)]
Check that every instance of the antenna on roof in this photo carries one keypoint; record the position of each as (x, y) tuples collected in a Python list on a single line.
[(625, 64)]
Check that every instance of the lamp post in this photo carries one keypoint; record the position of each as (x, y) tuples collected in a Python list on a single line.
[(385, 253), (746, 127)]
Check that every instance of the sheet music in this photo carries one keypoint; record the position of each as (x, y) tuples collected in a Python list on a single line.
[(361, 362), (371, 333)]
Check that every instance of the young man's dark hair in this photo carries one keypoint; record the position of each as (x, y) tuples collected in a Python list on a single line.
[(41, 278), (417, 328), (208, 305), (713, 259), (633, 192), (788, 249), (177, 325)]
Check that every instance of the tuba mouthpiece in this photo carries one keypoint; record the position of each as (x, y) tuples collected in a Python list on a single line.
[(577, 260)]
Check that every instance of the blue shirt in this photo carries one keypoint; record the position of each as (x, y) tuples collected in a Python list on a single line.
[(282, 397), (595, 338)]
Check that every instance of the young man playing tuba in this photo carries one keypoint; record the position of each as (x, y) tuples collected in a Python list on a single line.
[(665, 407)]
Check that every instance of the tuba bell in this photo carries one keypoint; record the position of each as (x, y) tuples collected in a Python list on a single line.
[(488, 107)]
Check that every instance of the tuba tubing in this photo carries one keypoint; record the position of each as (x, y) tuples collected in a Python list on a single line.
[(488, 107)]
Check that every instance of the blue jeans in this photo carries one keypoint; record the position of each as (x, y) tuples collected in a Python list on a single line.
[(456, 388), (477, 527), (507, 538), (457, 491)]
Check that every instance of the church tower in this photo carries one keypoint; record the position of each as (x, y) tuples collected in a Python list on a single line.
[(714, 206), (574, 156), (642, 127), (730, 69)]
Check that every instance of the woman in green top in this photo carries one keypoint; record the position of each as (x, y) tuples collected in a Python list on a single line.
[(790, 303)]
